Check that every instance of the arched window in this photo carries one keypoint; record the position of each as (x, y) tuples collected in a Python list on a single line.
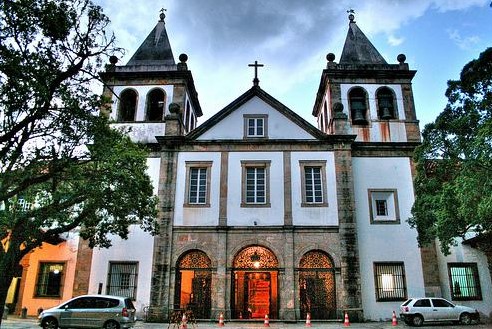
[(386, 104), (155, 105), (128, 105), (358, 106)]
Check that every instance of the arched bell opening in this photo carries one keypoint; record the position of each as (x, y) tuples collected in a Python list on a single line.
[(194, 284), (255, 284), (317, 286), (127, 105), (155, 105), (386, 104), (358, 106)]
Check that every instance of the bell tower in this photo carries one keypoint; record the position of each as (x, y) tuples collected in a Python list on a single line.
[(365, 96), (142, 91)]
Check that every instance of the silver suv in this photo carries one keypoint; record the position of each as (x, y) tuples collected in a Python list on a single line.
[(90, 311), (417, 310)]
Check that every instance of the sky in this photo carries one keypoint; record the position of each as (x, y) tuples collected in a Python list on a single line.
[(292, 37)]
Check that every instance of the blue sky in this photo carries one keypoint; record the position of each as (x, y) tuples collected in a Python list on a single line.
[(292, 37)]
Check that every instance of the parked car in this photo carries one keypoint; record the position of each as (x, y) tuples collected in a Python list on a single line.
[(90, 311), (415, 311)]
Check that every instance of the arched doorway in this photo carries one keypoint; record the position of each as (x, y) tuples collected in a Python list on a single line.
[(255, 284), (317, 286), (193, 284)]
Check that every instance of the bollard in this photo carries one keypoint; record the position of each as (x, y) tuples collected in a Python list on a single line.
[(24, 312)]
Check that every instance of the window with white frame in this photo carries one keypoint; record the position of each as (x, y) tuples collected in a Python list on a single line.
[(122, 279), (464, 281), (50, 279), (198, 183), (313, 184), (389, 281), (255, 184), (383, 206), (255, 126)]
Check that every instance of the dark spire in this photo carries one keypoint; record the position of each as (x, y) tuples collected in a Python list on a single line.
[(357, 48), (156, 49)]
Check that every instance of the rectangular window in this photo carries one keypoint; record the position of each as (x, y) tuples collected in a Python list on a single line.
[(122, 279), (255, 178), (255, 126), (313, 183), (50, 280), (198, 183), (464, 281), (314, 192), (389, 281), (383, 206)]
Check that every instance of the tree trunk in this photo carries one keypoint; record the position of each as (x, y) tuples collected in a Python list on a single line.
[(5, 280)]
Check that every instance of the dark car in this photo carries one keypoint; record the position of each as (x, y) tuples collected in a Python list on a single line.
[(90, 311), (415, 311)]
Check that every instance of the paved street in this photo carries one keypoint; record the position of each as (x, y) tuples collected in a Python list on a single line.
[(13, 322)]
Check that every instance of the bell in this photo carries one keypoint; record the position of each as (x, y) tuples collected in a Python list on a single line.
[(386, 114), (359, 118)]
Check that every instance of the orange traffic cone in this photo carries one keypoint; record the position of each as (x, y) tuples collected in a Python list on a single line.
[(308, 320), (184, 321), (394, 322), (221, 319), (267, 322), (346, 322)]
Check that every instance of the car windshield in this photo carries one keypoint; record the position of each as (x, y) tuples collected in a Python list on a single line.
[(406, 303)]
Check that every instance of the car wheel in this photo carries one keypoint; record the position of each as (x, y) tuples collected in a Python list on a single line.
[(50, 323), (417, 320), (465, 318), (111, 325)]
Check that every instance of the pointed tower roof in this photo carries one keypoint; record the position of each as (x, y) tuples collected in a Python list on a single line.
[(357, 48), (156, 49)]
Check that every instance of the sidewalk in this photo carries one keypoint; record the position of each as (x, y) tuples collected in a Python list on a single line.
[(14, 322)]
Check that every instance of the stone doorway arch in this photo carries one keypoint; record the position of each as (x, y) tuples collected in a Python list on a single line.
[(255, 284), (194, 284), (317, 286)]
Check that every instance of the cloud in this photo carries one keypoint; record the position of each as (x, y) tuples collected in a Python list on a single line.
[(292, 38), (394, 41), (464, 43)]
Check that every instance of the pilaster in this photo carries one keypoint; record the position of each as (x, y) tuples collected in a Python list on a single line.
[(350, 292)]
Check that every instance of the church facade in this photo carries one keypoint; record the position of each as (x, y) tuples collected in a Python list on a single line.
[(262, 213)]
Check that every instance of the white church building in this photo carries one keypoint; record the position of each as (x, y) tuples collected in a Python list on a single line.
[(262, 213)]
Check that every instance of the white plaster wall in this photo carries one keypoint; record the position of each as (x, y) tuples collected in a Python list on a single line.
[(273, 215), (314, 215), (197, 216), (397, 129), (465, 254), (390, 242), (142, 132), (279, 126), (138, 247)]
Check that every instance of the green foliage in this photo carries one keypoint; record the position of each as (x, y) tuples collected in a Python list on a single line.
[(61, 166), (454, 163)]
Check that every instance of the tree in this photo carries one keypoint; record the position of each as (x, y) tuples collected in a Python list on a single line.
[(454, 163), (62, 166)]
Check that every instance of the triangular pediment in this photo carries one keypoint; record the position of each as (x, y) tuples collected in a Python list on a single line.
[(281, 122)]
